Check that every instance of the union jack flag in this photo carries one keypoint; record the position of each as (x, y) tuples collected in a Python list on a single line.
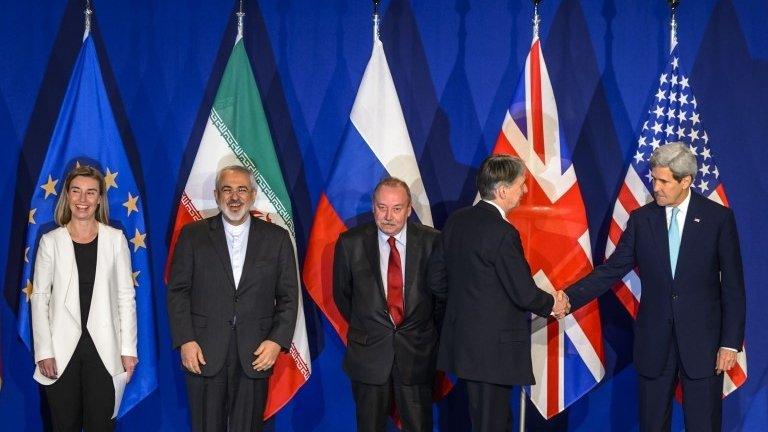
[(567, 354), (672, 117)]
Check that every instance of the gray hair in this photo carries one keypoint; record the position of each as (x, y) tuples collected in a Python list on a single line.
[(239, 169), (495, 170), (677, 157), (391, 182)]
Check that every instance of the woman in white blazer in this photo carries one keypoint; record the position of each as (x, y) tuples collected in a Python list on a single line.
[(83, 307)]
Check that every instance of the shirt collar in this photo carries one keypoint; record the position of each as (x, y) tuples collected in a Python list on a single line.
[(399, 237), (683, 206), (498, 207), (236, 229)]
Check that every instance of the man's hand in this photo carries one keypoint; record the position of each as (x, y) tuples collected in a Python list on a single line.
[(192, 357), (266, 354), (562, 306), (48, 368), (129, 364), (726, 359)]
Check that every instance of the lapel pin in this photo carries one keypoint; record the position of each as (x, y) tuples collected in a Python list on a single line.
[(697, 220)]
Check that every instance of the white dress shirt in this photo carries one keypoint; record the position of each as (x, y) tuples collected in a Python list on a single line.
[(237, 243), (384, 255)]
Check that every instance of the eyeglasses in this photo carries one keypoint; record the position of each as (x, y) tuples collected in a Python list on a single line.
[(241, 191)]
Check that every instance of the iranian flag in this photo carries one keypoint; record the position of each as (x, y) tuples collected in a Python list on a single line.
[(237, 133)]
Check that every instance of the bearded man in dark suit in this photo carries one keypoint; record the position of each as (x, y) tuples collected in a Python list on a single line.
[(232, 305)]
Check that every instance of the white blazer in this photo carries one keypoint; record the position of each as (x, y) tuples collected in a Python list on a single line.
[(55, 298)]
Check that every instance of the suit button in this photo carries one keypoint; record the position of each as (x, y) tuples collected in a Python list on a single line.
[(674, 296), (237, 298)]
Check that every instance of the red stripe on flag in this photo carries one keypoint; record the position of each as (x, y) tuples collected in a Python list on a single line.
[(737, 375), (721, 193), (185, 213), (553, 367), (626, 198), (615, 232), (318, 263), (285, 381), (588, 318), (625, 296), (537, 120)]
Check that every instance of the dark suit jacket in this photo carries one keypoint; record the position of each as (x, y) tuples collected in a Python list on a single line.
[(373, 342), (486, 335), (705, 300), (203, 302)]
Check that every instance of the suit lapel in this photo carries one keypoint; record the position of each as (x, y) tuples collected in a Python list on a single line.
[(72, 296), (412, 247), (658, 221), (690, 232), (371, 245), (250, 251), (216, 233)]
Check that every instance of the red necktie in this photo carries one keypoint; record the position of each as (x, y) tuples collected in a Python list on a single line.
[(394, 283)]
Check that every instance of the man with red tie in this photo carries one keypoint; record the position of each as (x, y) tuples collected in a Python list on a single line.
[(382, 288)]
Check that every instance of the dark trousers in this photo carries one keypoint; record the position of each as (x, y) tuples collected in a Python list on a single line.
[(489, 406), (229, 400), (702, 404), (374, 403), (83, 398)]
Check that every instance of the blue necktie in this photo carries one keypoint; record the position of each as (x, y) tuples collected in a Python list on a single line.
[(674, 240)]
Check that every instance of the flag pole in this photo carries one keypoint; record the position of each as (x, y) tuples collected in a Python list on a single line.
[(536, 22), (673, 4), (376, 20), (240, 14), (88, 13)]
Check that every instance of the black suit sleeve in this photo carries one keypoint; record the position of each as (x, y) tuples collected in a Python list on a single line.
[(286, 295), (732, 285), (179, 286), (437, 281), (605, 276), (515, 274), (342, 280)]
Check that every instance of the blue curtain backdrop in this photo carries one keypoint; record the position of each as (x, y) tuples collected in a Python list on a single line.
[(455, 64)]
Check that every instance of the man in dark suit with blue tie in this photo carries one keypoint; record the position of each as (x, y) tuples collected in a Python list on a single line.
[(690, 323)]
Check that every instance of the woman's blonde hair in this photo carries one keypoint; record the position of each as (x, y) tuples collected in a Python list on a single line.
[(63, 214)]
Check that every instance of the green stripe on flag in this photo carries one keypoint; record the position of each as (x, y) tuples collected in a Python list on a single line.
[(239, 116)]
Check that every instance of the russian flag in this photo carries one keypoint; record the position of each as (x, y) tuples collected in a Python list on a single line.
[(376, 144)]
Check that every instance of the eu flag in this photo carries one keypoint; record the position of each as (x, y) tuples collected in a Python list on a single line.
[(86, 133)]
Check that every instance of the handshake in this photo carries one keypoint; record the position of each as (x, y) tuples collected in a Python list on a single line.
[(562, 306)]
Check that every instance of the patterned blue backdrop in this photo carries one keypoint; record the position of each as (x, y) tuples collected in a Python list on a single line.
[(455, 64)]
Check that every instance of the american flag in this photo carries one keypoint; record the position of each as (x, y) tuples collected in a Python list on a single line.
[(672, 117), (567, 354)]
